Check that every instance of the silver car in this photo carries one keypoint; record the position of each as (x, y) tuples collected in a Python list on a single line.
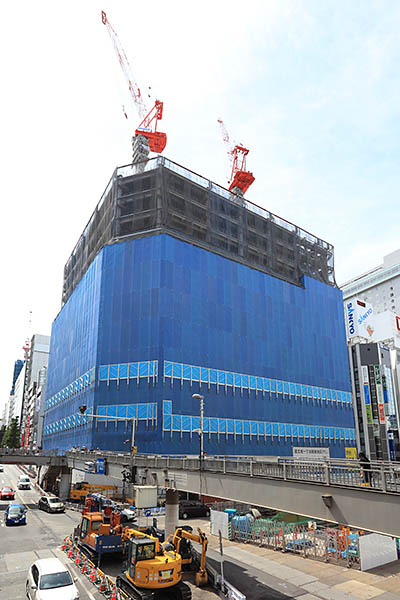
[(48, 578)]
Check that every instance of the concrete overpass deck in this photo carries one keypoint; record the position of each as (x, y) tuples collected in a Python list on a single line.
[(331, 490)]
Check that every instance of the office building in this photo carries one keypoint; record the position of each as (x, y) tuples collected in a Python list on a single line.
[(379, 286)]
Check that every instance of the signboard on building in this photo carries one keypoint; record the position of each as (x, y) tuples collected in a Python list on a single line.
[(367, 396), (379, 394), (351, 453), (310, 453), (360, 319)]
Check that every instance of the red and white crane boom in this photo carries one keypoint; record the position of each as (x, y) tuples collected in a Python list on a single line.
[(240, 179), (148, 126)]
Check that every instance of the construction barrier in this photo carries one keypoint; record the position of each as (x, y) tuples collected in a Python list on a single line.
[(105, 585)]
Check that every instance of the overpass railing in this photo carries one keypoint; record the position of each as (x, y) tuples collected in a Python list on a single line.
[(379, 476)]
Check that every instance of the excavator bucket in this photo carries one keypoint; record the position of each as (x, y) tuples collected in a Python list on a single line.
[(201, 578)]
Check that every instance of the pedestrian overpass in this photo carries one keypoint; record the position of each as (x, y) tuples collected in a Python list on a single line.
[(331, 491)]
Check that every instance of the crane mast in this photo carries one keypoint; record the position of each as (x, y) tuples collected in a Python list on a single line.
[(146, 137), (240, 179)]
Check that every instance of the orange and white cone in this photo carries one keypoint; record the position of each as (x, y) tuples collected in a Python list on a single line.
[(84, 565), (93, 575), (78, 558), (114, 593), (102, 586)]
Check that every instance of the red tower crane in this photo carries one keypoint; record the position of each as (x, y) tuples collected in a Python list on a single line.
[(240, 178), (148, 126)]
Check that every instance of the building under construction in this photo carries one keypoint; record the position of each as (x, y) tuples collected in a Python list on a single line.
[(179, 287)]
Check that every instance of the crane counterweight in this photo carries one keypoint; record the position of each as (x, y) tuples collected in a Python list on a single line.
[(240, 179), (156, 140)]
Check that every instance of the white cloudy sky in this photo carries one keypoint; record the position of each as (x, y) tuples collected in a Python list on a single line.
[(310, 86)]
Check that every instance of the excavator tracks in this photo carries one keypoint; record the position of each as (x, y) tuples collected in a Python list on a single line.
[(181, 591), (134, 592)]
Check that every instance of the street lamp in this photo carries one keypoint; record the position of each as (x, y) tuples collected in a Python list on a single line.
[(201, 398), (82, 410)]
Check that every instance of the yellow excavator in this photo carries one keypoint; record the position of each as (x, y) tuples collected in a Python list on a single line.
[(151, 569), (180, 543), (81, 489)]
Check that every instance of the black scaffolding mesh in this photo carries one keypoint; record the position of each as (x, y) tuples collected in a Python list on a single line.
[(163, 197)]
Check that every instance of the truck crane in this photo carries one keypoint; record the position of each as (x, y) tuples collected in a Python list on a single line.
[(146, 137), (180, 542), (151, 570), (240, 179)]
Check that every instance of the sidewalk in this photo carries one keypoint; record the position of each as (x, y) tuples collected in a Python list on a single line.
[(295, 576)]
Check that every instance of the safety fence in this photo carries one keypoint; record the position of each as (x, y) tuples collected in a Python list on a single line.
[(337, 545), (104, 584)]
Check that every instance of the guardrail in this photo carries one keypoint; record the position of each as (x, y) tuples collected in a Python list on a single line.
[(382, 477), (379, 476)]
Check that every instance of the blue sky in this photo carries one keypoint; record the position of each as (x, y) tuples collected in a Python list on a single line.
[(310, 87)]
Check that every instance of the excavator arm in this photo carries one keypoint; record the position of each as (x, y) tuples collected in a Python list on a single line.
[(180, 534)]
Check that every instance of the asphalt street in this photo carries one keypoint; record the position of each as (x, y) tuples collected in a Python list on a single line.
[(42, 537)]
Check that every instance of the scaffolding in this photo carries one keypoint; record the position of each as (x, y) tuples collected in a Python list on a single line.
[(160, 196)]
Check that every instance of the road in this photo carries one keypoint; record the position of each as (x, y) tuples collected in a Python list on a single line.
[(42, 537)]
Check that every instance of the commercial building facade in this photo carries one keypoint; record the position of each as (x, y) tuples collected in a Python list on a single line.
[(178, 288), (37, 360), (379, 286), (372, 316), (374, 406)]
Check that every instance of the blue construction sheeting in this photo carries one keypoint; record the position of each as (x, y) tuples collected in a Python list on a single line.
[(157, 319)]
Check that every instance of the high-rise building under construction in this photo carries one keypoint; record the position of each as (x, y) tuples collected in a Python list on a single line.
[(178, 287)]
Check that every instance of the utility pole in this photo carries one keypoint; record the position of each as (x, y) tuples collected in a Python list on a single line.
[(82, 410), (201, 456)]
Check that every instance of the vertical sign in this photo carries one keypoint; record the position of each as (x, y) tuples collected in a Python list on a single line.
[(367, 397), (100, 466), (385, 396), (379, 394)]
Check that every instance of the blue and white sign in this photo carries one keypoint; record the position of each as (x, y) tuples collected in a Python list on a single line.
[(359, 317), (100, 466)]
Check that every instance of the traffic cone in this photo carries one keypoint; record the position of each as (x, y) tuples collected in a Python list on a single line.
[(114, 594), (78, 558), (93, 575), (83, 565), (70, 552), (64, 546), (103, 585)]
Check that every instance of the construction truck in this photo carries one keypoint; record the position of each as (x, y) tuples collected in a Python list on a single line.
[(180, 542), (96, 538), (152, 570), (81, 489)]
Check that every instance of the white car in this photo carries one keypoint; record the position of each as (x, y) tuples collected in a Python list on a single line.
[(24, 483), (48, 578)]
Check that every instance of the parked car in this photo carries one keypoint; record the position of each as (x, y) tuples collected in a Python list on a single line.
[(50, 574), (24, 483), (51, 504), (7, 493), (1, 469), (192, 508), (15, 514)]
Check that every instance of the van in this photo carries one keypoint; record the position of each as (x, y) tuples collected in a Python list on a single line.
[(24, 483)]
